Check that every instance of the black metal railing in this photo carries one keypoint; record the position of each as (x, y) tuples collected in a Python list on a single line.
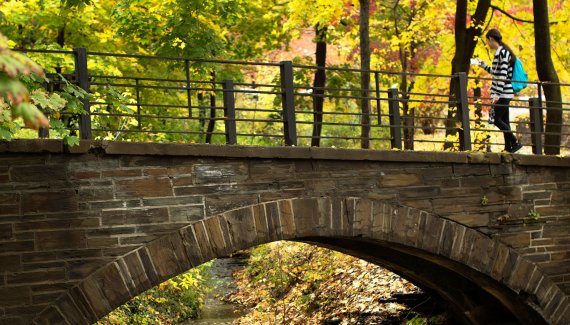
[(169, 99)]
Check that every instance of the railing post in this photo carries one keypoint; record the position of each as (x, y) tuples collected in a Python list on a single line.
[(138, 103), (288, 102), (536, 125), (463, 111), (229, 112), (188, 95), (377, 91), (82, 77), (395, 124)]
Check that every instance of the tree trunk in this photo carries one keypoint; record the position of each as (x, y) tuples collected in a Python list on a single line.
[(212, 121), (465, 42), (319, 84), (547, 74), (365, 74), (61, 36)]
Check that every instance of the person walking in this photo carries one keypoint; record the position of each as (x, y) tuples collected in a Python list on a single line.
[(501, 87)]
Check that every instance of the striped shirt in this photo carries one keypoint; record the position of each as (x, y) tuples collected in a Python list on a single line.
[(502, 72)]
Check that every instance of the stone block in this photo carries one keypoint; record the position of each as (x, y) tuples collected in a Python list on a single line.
[(108, 286), (38, 173), (162, 228), (509, 267), (182, 181), (205, 189), (511, 193), (219, 173), (206, 249), (216, 237), (57, 224), (320, 185), (85, 174), (500, 256), (519, 240), (10, 263), (521, 274), (135, 216), (538, 257), (51, 315), (362, 222), (549, 211), (287, 219), (555, 230), (481, 181), (155, 171), (47, 240), (271, 170), (114, 204), (191, 246), (164, 258), (172, 201), (242, 227), (72, 313), (399, 180), (95, 194), (121, 173), (273, 223), (419, 192), (148, 266), (5, 231), (377, 220), (36, 277), (561, 315), (471, 219), (337, 208), (482, 254), (9, 198), (16, 246), (451, 236), (15, 296), (502, 169), (430, 234), (217, 204), (307, 216), (79, 269), (186, 213), (405, 226), (437, 172), (470, 170), (78, 297), (260, 220), (101, 242), (105, 232), (145, 187), (54, 201), (516, 179), (536, 195), (557, 299), (44, 298)]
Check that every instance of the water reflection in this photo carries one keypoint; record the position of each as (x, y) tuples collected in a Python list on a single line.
[(215, 310)]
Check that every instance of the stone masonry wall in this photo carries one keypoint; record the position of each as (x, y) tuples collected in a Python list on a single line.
[(67, 212)]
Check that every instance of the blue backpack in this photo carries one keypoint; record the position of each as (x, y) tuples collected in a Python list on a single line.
[(519, 75)]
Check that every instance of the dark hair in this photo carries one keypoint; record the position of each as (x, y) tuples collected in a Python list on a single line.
[(496, 35)]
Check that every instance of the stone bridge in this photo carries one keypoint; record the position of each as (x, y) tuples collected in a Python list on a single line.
[(85, 229)]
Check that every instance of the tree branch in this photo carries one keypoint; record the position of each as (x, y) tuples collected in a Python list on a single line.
[(501, 10)]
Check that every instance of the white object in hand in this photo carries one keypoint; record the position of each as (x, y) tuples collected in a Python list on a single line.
[(475, 62)]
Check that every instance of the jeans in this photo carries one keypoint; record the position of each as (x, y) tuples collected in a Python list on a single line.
[(501, 108)]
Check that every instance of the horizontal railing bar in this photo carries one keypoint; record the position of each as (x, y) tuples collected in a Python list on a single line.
[(173, 58)]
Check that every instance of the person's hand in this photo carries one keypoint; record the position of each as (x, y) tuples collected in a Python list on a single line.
[(494, 100), (482, 63)]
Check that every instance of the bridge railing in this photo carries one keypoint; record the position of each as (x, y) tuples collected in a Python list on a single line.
[(171, 99)]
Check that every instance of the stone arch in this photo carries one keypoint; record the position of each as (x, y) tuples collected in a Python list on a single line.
[(401, 238)]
